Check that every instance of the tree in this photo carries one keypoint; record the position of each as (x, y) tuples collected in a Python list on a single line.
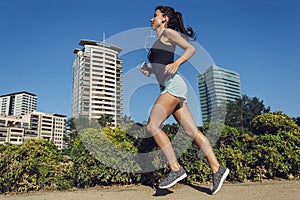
[(105, 120), (71, 134), (243, 110), (74, 126), (297, 120), (271, 123), (125, 120)]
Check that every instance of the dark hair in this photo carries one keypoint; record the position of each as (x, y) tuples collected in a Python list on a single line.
[(176, 21)]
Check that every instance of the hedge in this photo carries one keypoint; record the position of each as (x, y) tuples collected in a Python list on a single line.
[(37, 164)]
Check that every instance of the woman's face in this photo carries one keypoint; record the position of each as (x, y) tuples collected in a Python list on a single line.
[(157, 20)]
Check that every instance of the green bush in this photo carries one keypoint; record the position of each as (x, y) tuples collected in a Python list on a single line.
[(271, 123), (278, 154), (97, 157), (36, 164), (255, 157)]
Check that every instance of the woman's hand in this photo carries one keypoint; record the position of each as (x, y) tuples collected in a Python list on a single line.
[(146, 69), (171, 68)]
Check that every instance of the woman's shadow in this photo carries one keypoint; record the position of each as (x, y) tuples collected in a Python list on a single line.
[(200, 188), (161, 192), (164, 192)]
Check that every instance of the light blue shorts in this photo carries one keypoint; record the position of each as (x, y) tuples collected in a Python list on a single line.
[(176, 86)]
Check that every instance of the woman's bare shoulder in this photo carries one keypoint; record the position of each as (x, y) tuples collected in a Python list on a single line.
[(172, 36), (170, 32)]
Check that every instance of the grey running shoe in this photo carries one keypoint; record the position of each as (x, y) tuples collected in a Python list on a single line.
[(172, 178), (218, 179)]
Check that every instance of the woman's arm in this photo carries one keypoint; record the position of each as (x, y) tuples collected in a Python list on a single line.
[(146, 69), (175, 38)]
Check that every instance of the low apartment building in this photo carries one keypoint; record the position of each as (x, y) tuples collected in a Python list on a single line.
[(16, 129)]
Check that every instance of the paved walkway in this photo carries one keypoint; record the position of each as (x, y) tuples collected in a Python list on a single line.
[(268, 190)]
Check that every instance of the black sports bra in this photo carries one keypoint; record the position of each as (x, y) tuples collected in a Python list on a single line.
[(159, 56), (161, 53)]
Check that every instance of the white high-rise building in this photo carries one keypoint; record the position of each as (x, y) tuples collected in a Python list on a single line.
[(17, 104), (97, 81)]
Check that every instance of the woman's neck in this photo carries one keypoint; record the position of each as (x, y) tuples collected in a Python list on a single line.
[(159, 31)]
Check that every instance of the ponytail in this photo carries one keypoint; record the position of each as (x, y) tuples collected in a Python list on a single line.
[(176, 21), (186, 31)]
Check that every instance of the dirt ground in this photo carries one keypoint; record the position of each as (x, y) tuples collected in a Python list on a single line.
[(267, 190)]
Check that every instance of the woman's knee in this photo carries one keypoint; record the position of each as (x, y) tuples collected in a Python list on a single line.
[(152, 128), (191, 131)]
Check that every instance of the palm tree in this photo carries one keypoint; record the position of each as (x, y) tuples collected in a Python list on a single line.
[(105, 120), (126, 120)]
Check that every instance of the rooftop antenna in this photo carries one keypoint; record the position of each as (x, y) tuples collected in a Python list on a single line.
[(103, 37)]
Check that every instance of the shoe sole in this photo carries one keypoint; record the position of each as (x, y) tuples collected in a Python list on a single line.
[(174, 182), (222, 180)]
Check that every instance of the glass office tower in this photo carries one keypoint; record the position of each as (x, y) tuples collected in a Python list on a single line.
[(217, 86)]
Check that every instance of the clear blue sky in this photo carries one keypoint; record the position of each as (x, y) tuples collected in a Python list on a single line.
[(259, 39)]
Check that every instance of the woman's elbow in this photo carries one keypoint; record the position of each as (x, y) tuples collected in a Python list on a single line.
[(193, 50)]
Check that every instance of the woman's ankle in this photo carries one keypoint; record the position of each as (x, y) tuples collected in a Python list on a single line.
[(175, 167)]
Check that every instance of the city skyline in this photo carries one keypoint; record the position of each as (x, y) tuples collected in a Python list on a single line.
[(259, 40)]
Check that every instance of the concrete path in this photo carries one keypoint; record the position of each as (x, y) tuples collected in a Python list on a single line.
[(268, 190)]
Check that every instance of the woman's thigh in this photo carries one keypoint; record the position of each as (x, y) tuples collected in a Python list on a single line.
[(184, 117), (163, 107)]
